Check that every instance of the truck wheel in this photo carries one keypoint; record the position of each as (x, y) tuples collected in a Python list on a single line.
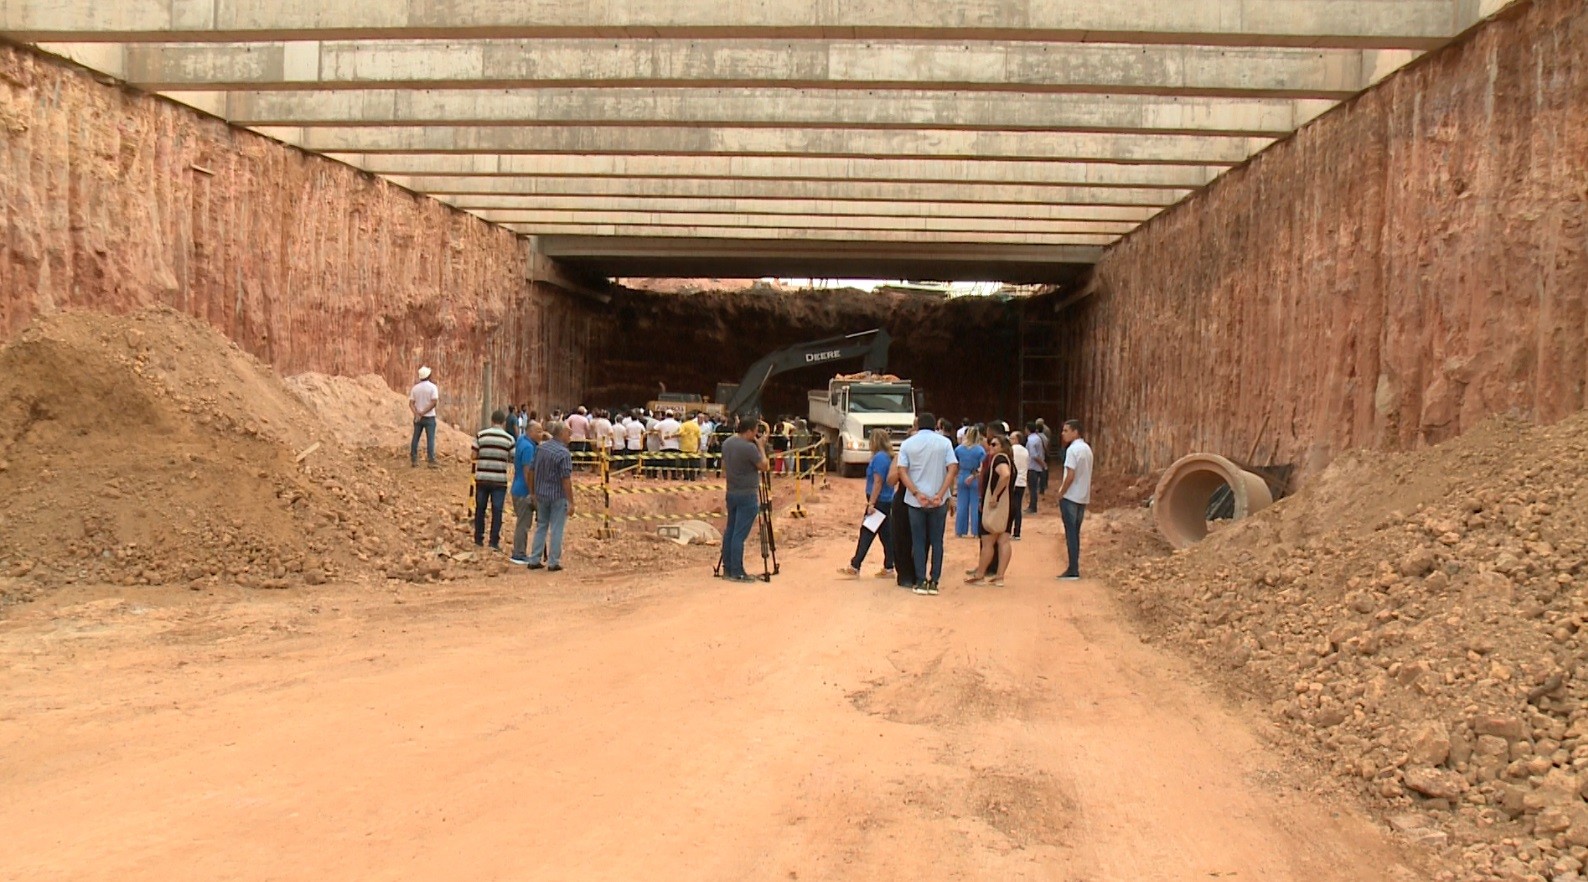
[(851, 470)]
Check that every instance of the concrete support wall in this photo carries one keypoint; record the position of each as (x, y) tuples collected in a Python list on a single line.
[(1394, 274), (112, 200)]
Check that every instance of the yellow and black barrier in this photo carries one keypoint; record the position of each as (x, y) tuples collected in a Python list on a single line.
[(606, 465), (699, 516)]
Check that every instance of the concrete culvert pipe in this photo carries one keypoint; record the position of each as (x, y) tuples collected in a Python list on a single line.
[(1180, 507)]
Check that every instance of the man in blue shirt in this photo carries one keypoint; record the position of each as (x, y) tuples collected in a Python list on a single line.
[(523, 500), (553, 488), (927, 469), (1037, 467)]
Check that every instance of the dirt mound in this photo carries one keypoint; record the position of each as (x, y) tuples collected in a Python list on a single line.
[(149, 450), (365, 412), (1416, 624)]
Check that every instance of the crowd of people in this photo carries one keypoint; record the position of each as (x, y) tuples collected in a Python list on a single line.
[(983, 475), (987, 477)]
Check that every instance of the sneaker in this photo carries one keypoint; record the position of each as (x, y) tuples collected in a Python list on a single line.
[(536, 565), (745, 579), (931, 588), (1014, 538), (886, 574), (1069, 578), (554, 568), (848, 571), (922, 588), (519, 560)]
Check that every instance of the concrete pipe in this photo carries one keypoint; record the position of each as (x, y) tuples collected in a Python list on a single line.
[(1180, 507)]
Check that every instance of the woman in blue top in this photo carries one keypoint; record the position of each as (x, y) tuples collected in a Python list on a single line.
[(879, 498), (967, 496)]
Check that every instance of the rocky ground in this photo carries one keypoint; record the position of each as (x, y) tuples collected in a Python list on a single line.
[(1415, 625)]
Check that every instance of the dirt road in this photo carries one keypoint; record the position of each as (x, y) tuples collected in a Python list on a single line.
[(669, 727)]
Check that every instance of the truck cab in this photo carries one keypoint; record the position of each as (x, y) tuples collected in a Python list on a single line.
[(849, 408)]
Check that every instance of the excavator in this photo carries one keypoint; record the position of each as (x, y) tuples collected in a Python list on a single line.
[(851, 406)]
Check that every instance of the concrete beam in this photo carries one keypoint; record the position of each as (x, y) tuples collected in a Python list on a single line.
[(770, 209), (812, 235), (838, 64), (754, 258), (477, 192), (1403, 24), (792, 169), (776, 108), (710, 141), (860, 226)]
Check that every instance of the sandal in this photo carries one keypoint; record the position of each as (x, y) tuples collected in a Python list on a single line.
[(975, 580), (997, 582), (848, 571)]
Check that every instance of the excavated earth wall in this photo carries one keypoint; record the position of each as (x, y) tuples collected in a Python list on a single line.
[(114, 200), (1399, 270)]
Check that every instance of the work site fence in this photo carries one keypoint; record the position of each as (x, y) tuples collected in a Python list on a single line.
[(603, 477)]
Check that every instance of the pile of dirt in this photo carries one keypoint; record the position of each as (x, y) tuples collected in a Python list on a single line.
[(365, 412), (149, 450), (1415, 623)]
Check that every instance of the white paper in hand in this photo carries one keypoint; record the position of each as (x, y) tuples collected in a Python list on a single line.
[(873, 521)]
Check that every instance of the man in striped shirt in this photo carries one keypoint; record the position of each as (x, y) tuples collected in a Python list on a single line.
[(493, 469)]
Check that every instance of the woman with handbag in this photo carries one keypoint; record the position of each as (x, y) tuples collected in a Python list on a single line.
[(997, 478)]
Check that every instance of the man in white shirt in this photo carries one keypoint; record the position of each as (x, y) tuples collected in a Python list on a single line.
[(1022, 458), (1075, 493), (667, 438), (601, 431), (619, 435), (926, 467), (423, 400), (634, 434)]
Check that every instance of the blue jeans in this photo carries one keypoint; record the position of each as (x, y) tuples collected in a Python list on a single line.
[(427, 426), (884, 533), (967, 509), (1038, 484), (742, 510), (553, 516), (493, 495), (1072, 513), (926, 527)]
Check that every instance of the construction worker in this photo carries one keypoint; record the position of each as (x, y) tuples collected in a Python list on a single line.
[(689, 445), (423, 399)]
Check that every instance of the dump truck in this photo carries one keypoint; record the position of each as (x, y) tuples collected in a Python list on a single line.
[(851, 406)]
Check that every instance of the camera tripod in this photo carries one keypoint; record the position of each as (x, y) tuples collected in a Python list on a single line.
[(769, 564)]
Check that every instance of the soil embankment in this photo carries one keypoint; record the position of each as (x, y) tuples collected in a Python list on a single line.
[(1415, 625)]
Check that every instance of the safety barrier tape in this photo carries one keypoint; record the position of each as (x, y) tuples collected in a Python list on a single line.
[(635, 518), (623, 491)]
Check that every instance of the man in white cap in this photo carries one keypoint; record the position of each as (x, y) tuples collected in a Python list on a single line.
[(423, 399)]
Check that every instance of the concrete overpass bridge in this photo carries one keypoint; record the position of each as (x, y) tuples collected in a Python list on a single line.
[(986, 139)]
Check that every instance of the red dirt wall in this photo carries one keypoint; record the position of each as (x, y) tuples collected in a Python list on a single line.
[(113, 200), (1401, 269)]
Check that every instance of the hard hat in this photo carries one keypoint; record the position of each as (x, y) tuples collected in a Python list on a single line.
[(424, 373)]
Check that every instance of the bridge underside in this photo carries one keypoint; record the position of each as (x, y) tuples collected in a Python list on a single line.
[(1004, 139)]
